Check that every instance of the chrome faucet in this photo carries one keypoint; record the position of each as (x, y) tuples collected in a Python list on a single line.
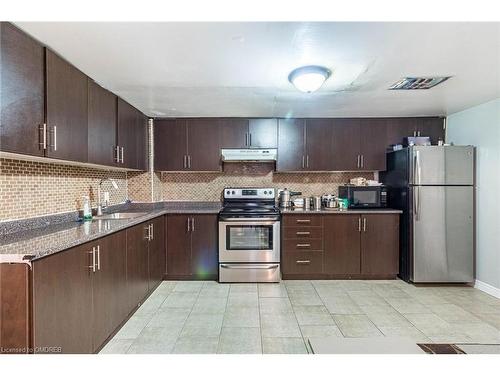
[(99, 204)]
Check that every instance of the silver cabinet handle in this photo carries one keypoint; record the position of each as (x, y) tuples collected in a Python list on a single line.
[(359, 224), (250, 139), (152, 231), (307, 161), (98, 257), (303, 221), (303, 161), (302, 261), (362, 158), (418, 133), (43, 129), (117, 154), (303, 233), (192, 224), (188, 227), (55, 138), (53, 141), (185, 163), (246, 139), (189, 161), (303, 245), (121, 151), (252, 267), (358, 163), (364, 224), (92, 267)]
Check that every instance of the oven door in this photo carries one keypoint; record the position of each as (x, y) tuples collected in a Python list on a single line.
[(249, 241)]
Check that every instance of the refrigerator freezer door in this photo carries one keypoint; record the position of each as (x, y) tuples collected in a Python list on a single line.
[(443, 234), (441, 165)]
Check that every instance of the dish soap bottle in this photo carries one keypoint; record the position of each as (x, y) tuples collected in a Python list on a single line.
[(87, 211)]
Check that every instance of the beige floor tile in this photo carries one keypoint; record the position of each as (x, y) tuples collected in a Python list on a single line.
[(117, 346), (272, 290), (180, 300), (453, 314), (283, 345), (275, 305), (356, 326), (378, 309), (237, 340), (313, 315), (389, 320), (480, 349), (405, 332), (304, 298), (210, 305), (243, 299), (188, 286), (243, 288), (342, 305), (166, 317), (492, 319), (203, 325), (407, 306), (155, 340), (196, 345), (133, 327), (480, 333), (279, 325), (429, 323), (236, 316), (214, 290), (151, 305), (320, 331)]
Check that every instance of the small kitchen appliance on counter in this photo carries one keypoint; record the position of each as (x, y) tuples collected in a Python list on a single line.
[(285, 197), (364, 196), (249, 236)]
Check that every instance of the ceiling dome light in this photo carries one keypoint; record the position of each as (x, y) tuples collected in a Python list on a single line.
[(309, 78)]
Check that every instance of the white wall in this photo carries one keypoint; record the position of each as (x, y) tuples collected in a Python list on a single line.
[(480, 126)]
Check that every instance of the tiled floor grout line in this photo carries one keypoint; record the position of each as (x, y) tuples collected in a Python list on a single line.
[(260, 321), (333, 317), (223, 319), (185, 321), (295, 315)]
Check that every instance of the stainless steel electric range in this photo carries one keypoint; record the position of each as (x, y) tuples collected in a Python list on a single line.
[(249, 236)]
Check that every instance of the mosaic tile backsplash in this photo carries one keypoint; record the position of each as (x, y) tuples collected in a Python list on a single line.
[(208, 186), (29, 189)]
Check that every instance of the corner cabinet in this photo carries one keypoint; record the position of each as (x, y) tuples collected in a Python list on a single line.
[(340, 246), (192, 247)]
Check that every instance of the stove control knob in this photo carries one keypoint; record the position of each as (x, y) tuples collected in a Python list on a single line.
[(233, 192), (228, 192), (270, 192), (265, 192)]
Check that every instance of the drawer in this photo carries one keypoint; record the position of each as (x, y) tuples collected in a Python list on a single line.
[(302, 220), (307, 244), (303, 262), (302, 232)]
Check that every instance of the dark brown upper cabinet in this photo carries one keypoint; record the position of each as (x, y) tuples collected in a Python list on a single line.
[(291, 145), (399, 128), (373, 144), (22, 91), (102, 145), (319, 146), (203, 146), (433, 127), (262, 133), (131, 137), (191, 144), (67, 110), (249, 133)]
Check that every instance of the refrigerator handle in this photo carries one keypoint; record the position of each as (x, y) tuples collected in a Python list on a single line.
[(416, 206), (418, 170)]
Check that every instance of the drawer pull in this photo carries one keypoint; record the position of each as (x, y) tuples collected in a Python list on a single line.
[(303, 233), (302, 261), (303, 221), (303, 245)]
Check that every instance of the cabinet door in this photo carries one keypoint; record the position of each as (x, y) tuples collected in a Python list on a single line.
[(342, 244), (346, 144), (127, 134), (373, 143), (204, 262), (399, 128), (178, 245), (319, 145), (157, 252), (109, 287), (142, 141), (203, 144), (263, 133), (291, 145), (431, 127), (101, 125), (234, 132), (62, 300), (380, 245), (22, 91), (67, 110), (137, 264), (170, 141)]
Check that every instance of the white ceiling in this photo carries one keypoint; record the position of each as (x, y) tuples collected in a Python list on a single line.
[(241, 69)]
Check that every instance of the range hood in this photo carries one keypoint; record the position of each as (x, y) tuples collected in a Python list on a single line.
[(263, 155)]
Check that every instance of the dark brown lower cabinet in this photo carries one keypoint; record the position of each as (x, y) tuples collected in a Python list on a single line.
[(62, 301), (340, 246), (109, 287), (137, 264), (192, 247), (157, 252)]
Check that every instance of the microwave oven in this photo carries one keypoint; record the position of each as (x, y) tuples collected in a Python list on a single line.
[(364, 196)]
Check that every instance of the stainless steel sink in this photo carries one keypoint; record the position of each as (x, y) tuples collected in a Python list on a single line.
[(120, 216)]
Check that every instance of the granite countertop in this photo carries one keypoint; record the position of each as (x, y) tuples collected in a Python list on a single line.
[(343, 212), (34, 243)]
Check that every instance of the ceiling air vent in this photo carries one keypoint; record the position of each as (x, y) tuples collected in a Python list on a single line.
[(417, 83)]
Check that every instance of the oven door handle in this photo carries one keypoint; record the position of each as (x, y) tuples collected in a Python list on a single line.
[(248, 219), (247, 267)]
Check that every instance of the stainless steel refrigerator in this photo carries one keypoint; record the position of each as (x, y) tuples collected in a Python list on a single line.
[(434, 186)]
